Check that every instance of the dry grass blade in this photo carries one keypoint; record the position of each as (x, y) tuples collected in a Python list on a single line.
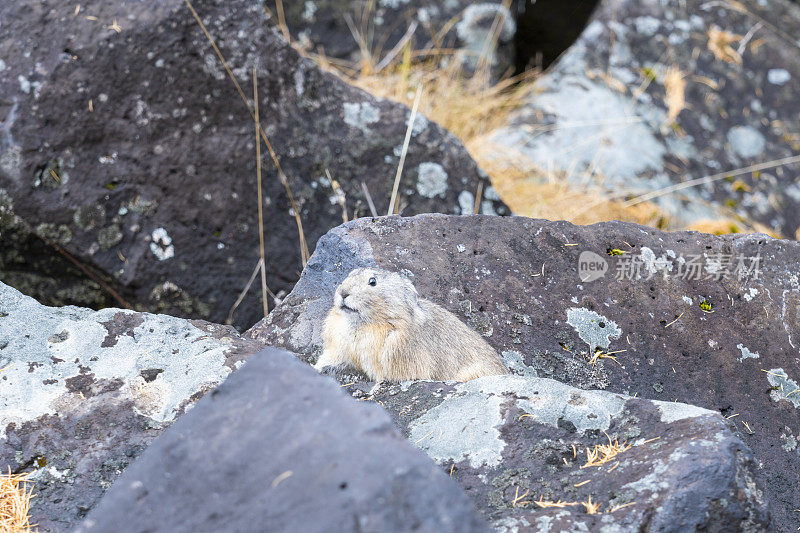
[(229, 319), (368, 196), (476, 208), (409, 130), (389, 57), (712, 178), (338, 192), (282, 20), (545, 504), (304, 254), (16, 492), (260, 202)]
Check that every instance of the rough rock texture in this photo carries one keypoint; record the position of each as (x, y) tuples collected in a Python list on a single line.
[(656, 93), (336, 27), (514, 440), (683, 330), (125, 145), (279, 448), (83, 392)]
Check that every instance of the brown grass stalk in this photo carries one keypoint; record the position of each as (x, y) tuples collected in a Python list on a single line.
[(260, 201), (304, 254), (394, 200)]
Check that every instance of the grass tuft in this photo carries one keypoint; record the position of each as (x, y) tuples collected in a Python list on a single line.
[(16, 491)]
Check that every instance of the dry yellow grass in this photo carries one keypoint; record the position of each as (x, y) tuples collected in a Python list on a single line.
[(15, 498), (532, 193)]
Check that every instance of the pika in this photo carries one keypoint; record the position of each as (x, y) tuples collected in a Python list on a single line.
[(380, 325)]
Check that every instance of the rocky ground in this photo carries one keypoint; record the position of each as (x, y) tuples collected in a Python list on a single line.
[(654, 376)]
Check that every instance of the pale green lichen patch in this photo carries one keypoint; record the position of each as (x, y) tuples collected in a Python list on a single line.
[(746, 353), (462, 427), (593, 328), (71, 348), (674, 411), (466, 425), (431, 180), (783, 388), (361, 115)]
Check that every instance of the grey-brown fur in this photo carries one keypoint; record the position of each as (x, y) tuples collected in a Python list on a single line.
[(390, 333)]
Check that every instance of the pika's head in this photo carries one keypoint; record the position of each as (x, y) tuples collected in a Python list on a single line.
[(374, 295)]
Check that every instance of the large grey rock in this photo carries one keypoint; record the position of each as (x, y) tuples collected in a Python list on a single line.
[(656, 93), (339, 28), (83, 392), (514, 440), (279, 448), (131, 153), (683, 331)]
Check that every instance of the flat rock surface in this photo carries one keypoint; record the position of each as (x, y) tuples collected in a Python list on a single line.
[(673, 306), (83, 392), (657, 93), (126, 147), (514, 440), (279, 448)]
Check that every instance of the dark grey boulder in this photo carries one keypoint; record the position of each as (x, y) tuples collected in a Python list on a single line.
[(655, 94), (279, 448), (686, 327), (83, 392), (336, 27), (127, 150)]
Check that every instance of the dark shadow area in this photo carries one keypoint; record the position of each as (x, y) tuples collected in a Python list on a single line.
[(546, 28)]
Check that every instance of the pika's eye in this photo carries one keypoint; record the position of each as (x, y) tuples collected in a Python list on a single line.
[(372, 281)]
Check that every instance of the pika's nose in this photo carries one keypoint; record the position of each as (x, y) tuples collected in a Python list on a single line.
[(344, 294)]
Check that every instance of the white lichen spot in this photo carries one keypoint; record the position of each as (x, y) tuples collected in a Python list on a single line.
[(593, 329), (487, 208), (360, 115), (647, 25), (466, 200), (431, 180), (687, 300), (108, 159), (653, 264), (491, 194), (161, 245), (461, 248), (420, 124), (309, 10), (746, 141), (24, 84), (778, 76), (751, 293), (746, 353)]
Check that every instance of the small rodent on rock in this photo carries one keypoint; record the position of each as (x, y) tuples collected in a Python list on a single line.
[(381, 326)]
